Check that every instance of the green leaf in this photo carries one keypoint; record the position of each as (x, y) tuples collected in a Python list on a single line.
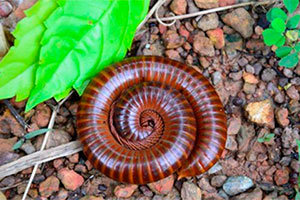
[(297, 47), (298, 144), (292, 35), (60, 96), (280, 42), (278, 25), (297, 196), (283, 51), (266, 138), (82, 38), (260, 140), (291, 5), (293, 22), (269, 136), (276, 13), (289, 61), (29, 136), (18, 144), (19, 65), (36, 133), (271, 36)]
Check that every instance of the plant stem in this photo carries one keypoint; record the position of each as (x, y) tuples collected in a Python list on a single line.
[(150, 13), (39, 157), (16, 114), (50, 126)]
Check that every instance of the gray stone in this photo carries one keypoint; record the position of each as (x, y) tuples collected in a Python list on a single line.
[(268, 75), (272, 88), (240, 20), (257, 68), (7, 157), (218, 181), (296, 81), (231, 143), (208, 22), (190, 191), (250, 69), (28, 147), (268, 187), (192, 6), (288, 73), (243, 62), (283, 81), (173, 195), (223, 194), (237, 184), (5, 8), (249, 88), (279, 98), (236, 75), (216, 77)]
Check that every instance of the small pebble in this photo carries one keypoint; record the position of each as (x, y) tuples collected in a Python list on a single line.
[(218, 181), (293, 93), (243, 62), (208, 22), (250, 69), (237, 184), (124, 191), (216, 77), (283, 82), (38, 178), (237, 101), (5, 8), (257, 68), (102, 187), (190, 191), (268, 75), (296, 81), (288, 73), (70, 179)]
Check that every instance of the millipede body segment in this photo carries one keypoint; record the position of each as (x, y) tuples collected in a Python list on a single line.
[(144, 118)]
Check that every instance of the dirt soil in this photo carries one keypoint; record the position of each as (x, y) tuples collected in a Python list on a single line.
[(259, 96)]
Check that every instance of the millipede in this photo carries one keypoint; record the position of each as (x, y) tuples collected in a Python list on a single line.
[(145, 118)]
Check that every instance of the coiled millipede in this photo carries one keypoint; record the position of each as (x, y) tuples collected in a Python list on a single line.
[(144, 118)]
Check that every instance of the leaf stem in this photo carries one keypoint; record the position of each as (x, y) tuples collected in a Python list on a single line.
[(16, 114)]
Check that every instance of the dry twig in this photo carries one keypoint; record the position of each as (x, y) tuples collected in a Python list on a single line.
[(153, 9), (39, 157), (16, 114), (50, 126)]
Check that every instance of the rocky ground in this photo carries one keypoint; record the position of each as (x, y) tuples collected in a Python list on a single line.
[(260, 98)]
